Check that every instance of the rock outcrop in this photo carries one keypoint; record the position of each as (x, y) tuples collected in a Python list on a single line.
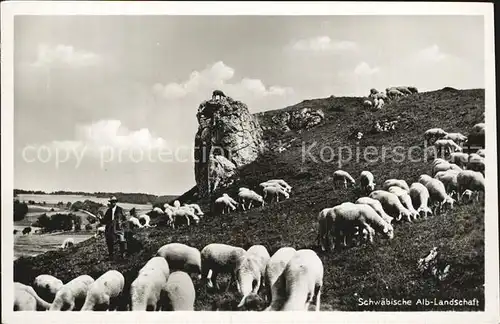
[(228, 137), (301, 119)]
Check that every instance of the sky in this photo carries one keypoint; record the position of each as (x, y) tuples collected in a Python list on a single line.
[(108, 103)]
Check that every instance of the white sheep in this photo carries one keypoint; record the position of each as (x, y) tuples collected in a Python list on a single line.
[(405, 199), (449, 179), (180, 294), (326, 217), (72, 295), (468, 179), (266, 184), (196, 208), (342, 177), (300, 283), (177, 204), (391, 204), (47, 286), (420, 199), (104, 293), (248, 274), (227, 202), (276, 192), (459, 158), (445, 166), (379, 95), (456, 137), (395, 182), (68, 243), (274, 268), (467, 196), (478, 129), (393, 93), (447, 145), (377, 206), (262, 256), (219, 258), (100, 231), (134, 222), (438, 196), (251, 196), (181, 257), (433, 134), (282, 183), (476, 163), (158, 211), (26, 299), (481, 153), (367, 103), (146, 218), (146, 290), (379, 103), (366, 181), (186, 213)]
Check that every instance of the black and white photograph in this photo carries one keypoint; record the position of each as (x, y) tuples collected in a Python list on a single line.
[(173, 158)]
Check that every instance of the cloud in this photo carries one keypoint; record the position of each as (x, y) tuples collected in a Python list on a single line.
[(323, 44), (64, 55), (364, 69), (431, 54), (110, 134), (217, 77)]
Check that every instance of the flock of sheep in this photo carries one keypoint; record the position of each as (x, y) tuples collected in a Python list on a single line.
[(460, 178), (376, 99), (293, 279)]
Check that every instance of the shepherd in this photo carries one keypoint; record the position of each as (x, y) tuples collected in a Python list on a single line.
[(116, 224)]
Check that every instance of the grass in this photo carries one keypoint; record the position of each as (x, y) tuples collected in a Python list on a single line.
[(382, 270)]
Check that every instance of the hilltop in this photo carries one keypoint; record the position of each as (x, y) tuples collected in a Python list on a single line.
[(384, 270)]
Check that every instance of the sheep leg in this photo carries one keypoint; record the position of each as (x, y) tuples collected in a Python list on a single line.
[(250, 204), (318, 297)]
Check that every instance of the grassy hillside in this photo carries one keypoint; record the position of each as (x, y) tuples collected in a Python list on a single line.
[(386, 269)]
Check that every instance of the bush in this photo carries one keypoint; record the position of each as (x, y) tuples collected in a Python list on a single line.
[(77, 222), (56, 222), (20, 210)]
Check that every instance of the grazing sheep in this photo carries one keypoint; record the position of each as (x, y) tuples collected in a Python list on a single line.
[(433, 134), (181, 257), (342, 177), (105, 292), (219, 258), (391, 204), (263, 257), (447, 145), (459, 158), (196, 208), (186, 213), (420, 198), (481, 153), (476, 163), (276, 192), (366, 181), (250, 195), (473, 180), (445, 166), (326, 217), (26, 299), (456, 137), (379, 95), (179, 292), (378, 103), (300, 283), (47, 286), (218, 94), (146, 220), (413, 89), (68, 243), (274, 268), (146, 290), (438, 196), (424, 179), (227, 202), (134, 222), (263, 185), (405, 199), (402, 89), (367, 103), (396, 182), (100, 231), (449, 179), (282, 183), (72, 295), (377, 206), (393, 93)]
